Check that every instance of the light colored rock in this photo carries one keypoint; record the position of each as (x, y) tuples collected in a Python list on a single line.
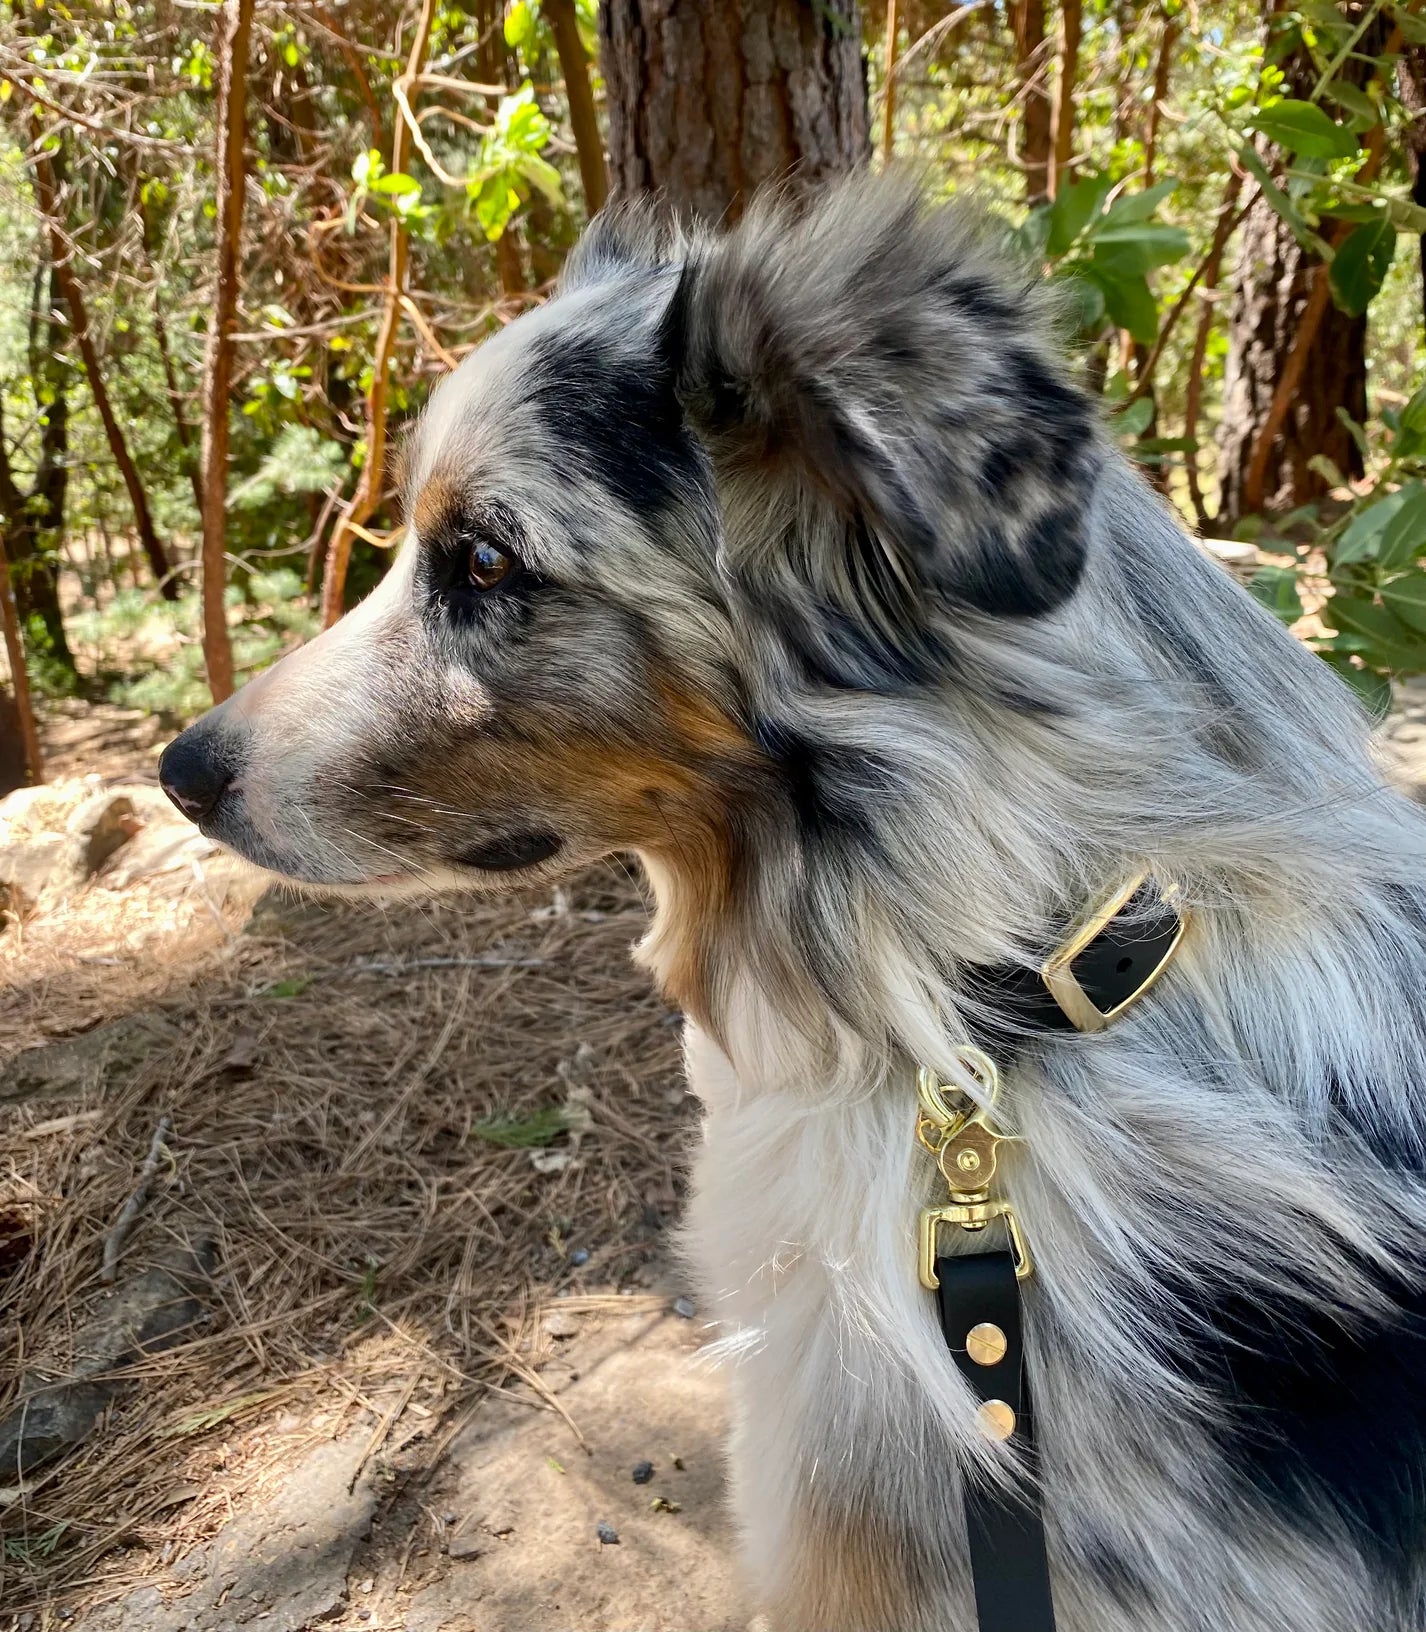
[(280, 1565)]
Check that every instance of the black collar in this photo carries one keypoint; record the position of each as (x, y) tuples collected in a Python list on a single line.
[(1101, 967)]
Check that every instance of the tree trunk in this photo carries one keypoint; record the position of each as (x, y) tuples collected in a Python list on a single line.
[(1411, 83), (1029, 19), (47, 196), (1071, 30), (235, 26), (14, 648), (1272, 295), (1167, 41), (706, 103), (170, 373), (584, 121)]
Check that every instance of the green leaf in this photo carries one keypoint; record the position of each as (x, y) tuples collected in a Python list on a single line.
[(1413, 415), (519, 26), (1131, 305), (1135, 418), (1405, 531), (1363, 110), (1406, 597), (1388, 643), (1302, 127), (1362, 537), (1373, 690), (523, 1133), (287, 988), (396, 183), (1132, 250), (542, 174), (1360, 265), (1129, 207), (1073, 210), (1276, 588)]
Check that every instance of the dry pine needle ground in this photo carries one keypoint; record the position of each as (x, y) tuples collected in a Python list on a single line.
[(395, 1129)]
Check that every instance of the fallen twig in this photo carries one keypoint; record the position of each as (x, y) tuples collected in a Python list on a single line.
[(114, 1241)]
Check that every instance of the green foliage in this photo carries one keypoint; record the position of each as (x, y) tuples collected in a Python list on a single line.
[(1373, 560), (542, 1127), (511, 163), (1107, 241)]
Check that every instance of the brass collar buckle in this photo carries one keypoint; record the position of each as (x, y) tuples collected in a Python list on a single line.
[(966, 1144), (1116, 968)]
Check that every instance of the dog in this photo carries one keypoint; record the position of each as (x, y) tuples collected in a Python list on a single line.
[(794, 560)]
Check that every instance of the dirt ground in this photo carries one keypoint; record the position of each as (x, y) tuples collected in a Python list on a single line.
[(396, 1321), (335, 1279)]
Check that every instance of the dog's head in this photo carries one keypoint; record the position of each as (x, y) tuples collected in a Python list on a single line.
[(706, 478)]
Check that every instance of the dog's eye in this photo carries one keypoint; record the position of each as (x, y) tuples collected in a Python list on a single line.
[(487, 566)]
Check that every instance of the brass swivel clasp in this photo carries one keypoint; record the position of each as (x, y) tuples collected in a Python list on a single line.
[(963, 1138)]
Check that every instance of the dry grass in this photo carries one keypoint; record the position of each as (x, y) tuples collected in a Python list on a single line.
[(328, 1073)]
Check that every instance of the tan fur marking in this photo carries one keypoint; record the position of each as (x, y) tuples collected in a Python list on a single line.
[(852, 1573), (435, 504)]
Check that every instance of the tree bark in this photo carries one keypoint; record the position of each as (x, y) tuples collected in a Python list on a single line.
[(707, 103), (1411, 83), (29, 522), (1029, 19), (14, 648), (584, 121), (1167, 41), (47, 197), (1071, 31), (235, 27), (1273, 296)]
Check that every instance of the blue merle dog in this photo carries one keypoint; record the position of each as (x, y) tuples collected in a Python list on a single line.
[(795, 561)]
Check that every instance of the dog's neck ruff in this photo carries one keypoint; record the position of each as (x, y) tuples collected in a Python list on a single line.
[(1102, 967)]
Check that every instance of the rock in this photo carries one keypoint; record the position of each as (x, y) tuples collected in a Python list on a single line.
[(291, 1553), (608, 1535), (558, 1324), (82, 1065), (148, 1313), (643, 1472), (37, 865), (99, 826), (684, 1308)]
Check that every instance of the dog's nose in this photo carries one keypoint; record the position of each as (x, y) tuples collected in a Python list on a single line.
[(194, 771)]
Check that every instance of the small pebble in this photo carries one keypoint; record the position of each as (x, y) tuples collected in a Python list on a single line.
[(684, 1307), (579, 1256), (367, 1585), (560, 1324), (643, 1472), (678, 1463), (608, 1535)]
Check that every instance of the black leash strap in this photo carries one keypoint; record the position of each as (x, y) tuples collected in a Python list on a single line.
[(979, 1300)]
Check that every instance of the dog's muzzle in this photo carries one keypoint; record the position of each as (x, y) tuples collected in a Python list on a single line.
[(198, 767)]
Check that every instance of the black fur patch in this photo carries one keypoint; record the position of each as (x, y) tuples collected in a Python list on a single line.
[(621, 425), (1326, 1421), (830, 788)]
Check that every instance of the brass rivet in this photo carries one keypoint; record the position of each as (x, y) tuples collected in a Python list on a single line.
[(968, 1161), (996, 1420), (986, 1344)]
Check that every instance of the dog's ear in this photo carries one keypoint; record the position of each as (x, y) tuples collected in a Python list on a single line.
[(884, 408), (632, 233)]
